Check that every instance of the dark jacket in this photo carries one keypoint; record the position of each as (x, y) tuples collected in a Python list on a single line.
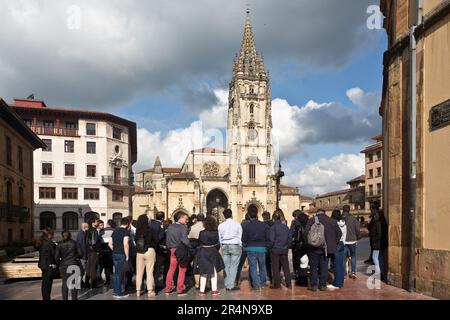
[(208, 256), (46, 254), (333, 233), (378, 233), (81, 240), (150, 238), (93, 241), (353, 227), (68, 253), (175, 234), (280, 238), (255, 234)]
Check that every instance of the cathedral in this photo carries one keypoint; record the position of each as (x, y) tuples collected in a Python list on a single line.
[(240, 178)]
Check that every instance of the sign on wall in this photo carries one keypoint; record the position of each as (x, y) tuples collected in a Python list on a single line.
[(440, 116)]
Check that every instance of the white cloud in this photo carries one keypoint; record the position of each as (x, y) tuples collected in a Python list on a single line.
[(328, 175), (366, 101), (216, 117)]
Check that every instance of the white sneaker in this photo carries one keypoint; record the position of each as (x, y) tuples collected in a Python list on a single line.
[(331, 287)]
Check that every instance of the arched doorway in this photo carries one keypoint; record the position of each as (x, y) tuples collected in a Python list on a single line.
[(47, 220), (91, 215), (216, 203)]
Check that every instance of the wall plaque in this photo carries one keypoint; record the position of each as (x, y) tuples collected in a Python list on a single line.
[(440, 116)]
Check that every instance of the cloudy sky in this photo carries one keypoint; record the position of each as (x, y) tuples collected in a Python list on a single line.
[(166, 65)]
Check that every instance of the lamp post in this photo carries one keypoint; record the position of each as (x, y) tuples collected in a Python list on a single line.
[(278, 175)]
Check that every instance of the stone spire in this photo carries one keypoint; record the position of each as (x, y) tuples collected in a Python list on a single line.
[(157, 166), (249, 62)]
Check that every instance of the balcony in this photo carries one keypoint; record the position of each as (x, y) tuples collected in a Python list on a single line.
[(117, 181), (11, 213), (374, 193), (62, 132)]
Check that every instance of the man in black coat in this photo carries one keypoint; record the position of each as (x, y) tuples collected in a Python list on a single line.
[(294, 229), (318, 257), (93, 246), (161, 250)]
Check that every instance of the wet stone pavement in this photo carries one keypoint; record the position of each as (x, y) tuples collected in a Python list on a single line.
[(353, 290)]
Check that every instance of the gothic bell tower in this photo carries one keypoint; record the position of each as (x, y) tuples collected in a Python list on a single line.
[(249, 128)]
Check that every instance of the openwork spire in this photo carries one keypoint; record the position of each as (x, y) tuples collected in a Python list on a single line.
[(249, 62)]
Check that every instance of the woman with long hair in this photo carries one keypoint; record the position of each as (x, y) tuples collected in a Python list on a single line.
[(209, 260), (146, 242), (338, 259), (47, 262), (379, 239), (68, 254)]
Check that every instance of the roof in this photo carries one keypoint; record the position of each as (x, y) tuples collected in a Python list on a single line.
[(15, 121), (183, 176), (164, 170), (333, 193), (287, 190), (373, 147), (208, 150), (38, 107), (358, 179), (303, 197)]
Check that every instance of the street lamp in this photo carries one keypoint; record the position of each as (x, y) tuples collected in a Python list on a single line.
[(278, 175)]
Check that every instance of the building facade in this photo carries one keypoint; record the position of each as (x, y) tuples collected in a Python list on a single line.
[(416, 134), (209, 179), (85, 171), (373, 155), (17, 143)]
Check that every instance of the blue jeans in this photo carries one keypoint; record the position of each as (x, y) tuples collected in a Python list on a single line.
[(378, 261), (319, 268), (339, 265), (118, 260), (351, 249), (257, 261), (231, 258)]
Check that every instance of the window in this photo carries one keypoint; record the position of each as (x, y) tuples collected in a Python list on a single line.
[(90, 147), (69, 170), (91, 194), (47, 193), (70, 193), (379, 155), (117, 195), (20, 158), (91, 170), (69, 146), (252, 172), (117, 133), (49, 124), (9, 199), (22, 234), (370, 190), (8, 151), (71, 125), (90, 129), (378, 188), (48, 143), (252, 108), (370, 173), (340, 200), (370, 157), (47, 169), (47, 220), (252, 90), (21, 198), (379, 172), (70, 221)]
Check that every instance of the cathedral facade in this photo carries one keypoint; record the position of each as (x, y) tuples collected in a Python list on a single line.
[(211, 180)]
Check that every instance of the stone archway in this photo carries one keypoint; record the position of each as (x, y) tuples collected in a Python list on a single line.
[(216, 203)]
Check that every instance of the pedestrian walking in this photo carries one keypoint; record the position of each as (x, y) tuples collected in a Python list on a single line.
[(47, 262)]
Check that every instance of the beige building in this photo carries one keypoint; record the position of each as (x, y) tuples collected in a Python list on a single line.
[(209, 179), (374, 171), (354, 197), (17, 143), (416, 136)]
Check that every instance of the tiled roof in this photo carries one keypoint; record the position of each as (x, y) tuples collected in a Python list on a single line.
[(334, 193), (357, 179)]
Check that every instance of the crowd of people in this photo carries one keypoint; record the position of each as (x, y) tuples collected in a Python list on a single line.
[(153, 256)]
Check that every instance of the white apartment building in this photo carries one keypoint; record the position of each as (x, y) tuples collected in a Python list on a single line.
[(86, 169)]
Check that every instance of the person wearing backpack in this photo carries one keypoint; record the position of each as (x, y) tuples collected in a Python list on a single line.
[(146, 241), (209, 261), (323, 235), (177, 241), (280, 241)]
